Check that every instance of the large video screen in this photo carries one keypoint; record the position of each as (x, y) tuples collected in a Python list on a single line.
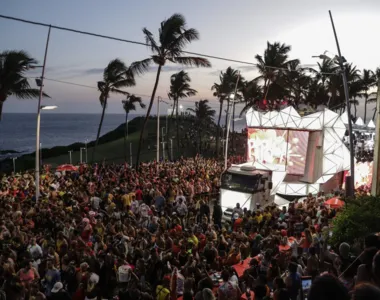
[(268, 147), (278, 149), (297, 150)]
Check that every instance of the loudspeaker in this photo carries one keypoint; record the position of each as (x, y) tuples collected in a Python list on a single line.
[(269, 185), (349, 186)]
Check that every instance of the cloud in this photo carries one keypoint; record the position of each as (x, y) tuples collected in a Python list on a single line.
[(171, 68), (93, 71), (246, 68)]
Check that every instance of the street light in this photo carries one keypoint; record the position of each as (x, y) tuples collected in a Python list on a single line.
[(232, 97), (80, 154), (14, 164), (38, 144), (341, 61)]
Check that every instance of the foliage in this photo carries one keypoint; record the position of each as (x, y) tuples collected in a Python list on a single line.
[(358, 218), (115, 77), (173, 37), (13, 65)]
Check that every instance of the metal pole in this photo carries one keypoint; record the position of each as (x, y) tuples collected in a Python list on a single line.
[(228, 124), (127, 129), (14, 164), (171, 148), (375, 190), (37, 166), (158, 130), (350, 188), (70, 157), (130, 152), (86, 150), (40, 155), (80, 155), (162, 139)]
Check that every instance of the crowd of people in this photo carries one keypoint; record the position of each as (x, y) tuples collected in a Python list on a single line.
[(113, 232)]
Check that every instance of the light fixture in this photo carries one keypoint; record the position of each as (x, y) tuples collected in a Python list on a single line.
[(48, 107)]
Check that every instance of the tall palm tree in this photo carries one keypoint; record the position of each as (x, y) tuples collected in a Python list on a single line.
[(204, 116), (129, 104), (173, 38), (368, 80), (270, 67), (13, 82), (179, 89), (115, 76), (223, 90), (252, 94), (295, 82)]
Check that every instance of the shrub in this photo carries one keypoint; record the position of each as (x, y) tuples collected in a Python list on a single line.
[(359, 217)]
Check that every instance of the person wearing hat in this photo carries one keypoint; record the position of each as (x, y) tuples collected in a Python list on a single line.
[(59, 293)]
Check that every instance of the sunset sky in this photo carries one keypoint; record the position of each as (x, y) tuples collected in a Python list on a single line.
[(231, 29)]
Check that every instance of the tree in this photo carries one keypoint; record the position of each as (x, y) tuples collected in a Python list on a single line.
[(270, 67), (295, 83), (359, 218), (223, 90), (115, 76), (252, 94), (179, 89), (13, 82), (368, 80), (204, 116), (173, 38), (129, 104)]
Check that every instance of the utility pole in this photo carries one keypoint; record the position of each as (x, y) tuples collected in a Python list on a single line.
[(158, 130), (130, 153), (71, 151), (375, 190), (350, 180)]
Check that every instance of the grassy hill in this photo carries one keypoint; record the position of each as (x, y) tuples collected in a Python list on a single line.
[(111, 146)]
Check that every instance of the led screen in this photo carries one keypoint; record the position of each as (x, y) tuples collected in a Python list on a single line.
[(297, 150), (268, 147), (278, 149)]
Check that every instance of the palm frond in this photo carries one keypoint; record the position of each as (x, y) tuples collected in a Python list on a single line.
[(141, 67), (150, 41), (192, 61), (29, 93)]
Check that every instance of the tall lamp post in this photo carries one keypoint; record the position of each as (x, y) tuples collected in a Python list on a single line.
[(375, 190), (14, 164), (37, 172), (232, 97), (40, 83), (351, 180)]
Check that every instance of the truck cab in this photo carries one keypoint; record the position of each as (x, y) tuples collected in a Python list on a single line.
[(247, 186)]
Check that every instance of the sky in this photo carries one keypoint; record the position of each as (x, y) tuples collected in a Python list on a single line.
[(237, 30)]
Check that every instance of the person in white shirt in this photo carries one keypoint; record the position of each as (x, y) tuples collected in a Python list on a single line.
[(95, 202), (181, 208), (34, 249)]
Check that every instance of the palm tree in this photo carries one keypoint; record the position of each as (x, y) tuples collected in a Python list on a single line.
[(13, 82), (173, 38), (223, 90), (204, 116), (129, 104), (179, 89), (368, 80), (252, 94), (270, 67), (295, 82), (115, 76)]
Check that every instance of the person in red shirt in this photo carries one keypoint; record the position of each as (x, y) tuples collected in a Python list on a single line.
[(139, 194)]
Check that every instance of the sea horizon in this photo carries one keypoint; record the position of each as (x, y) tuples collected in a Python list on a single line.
[(18, 130)]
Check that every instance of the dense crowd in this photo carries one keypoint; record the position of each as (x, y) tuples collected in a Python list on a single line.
[(112, 232)]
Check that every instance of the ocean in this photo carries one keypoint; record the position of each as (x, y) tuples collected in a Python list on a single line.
[(18, 131)]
